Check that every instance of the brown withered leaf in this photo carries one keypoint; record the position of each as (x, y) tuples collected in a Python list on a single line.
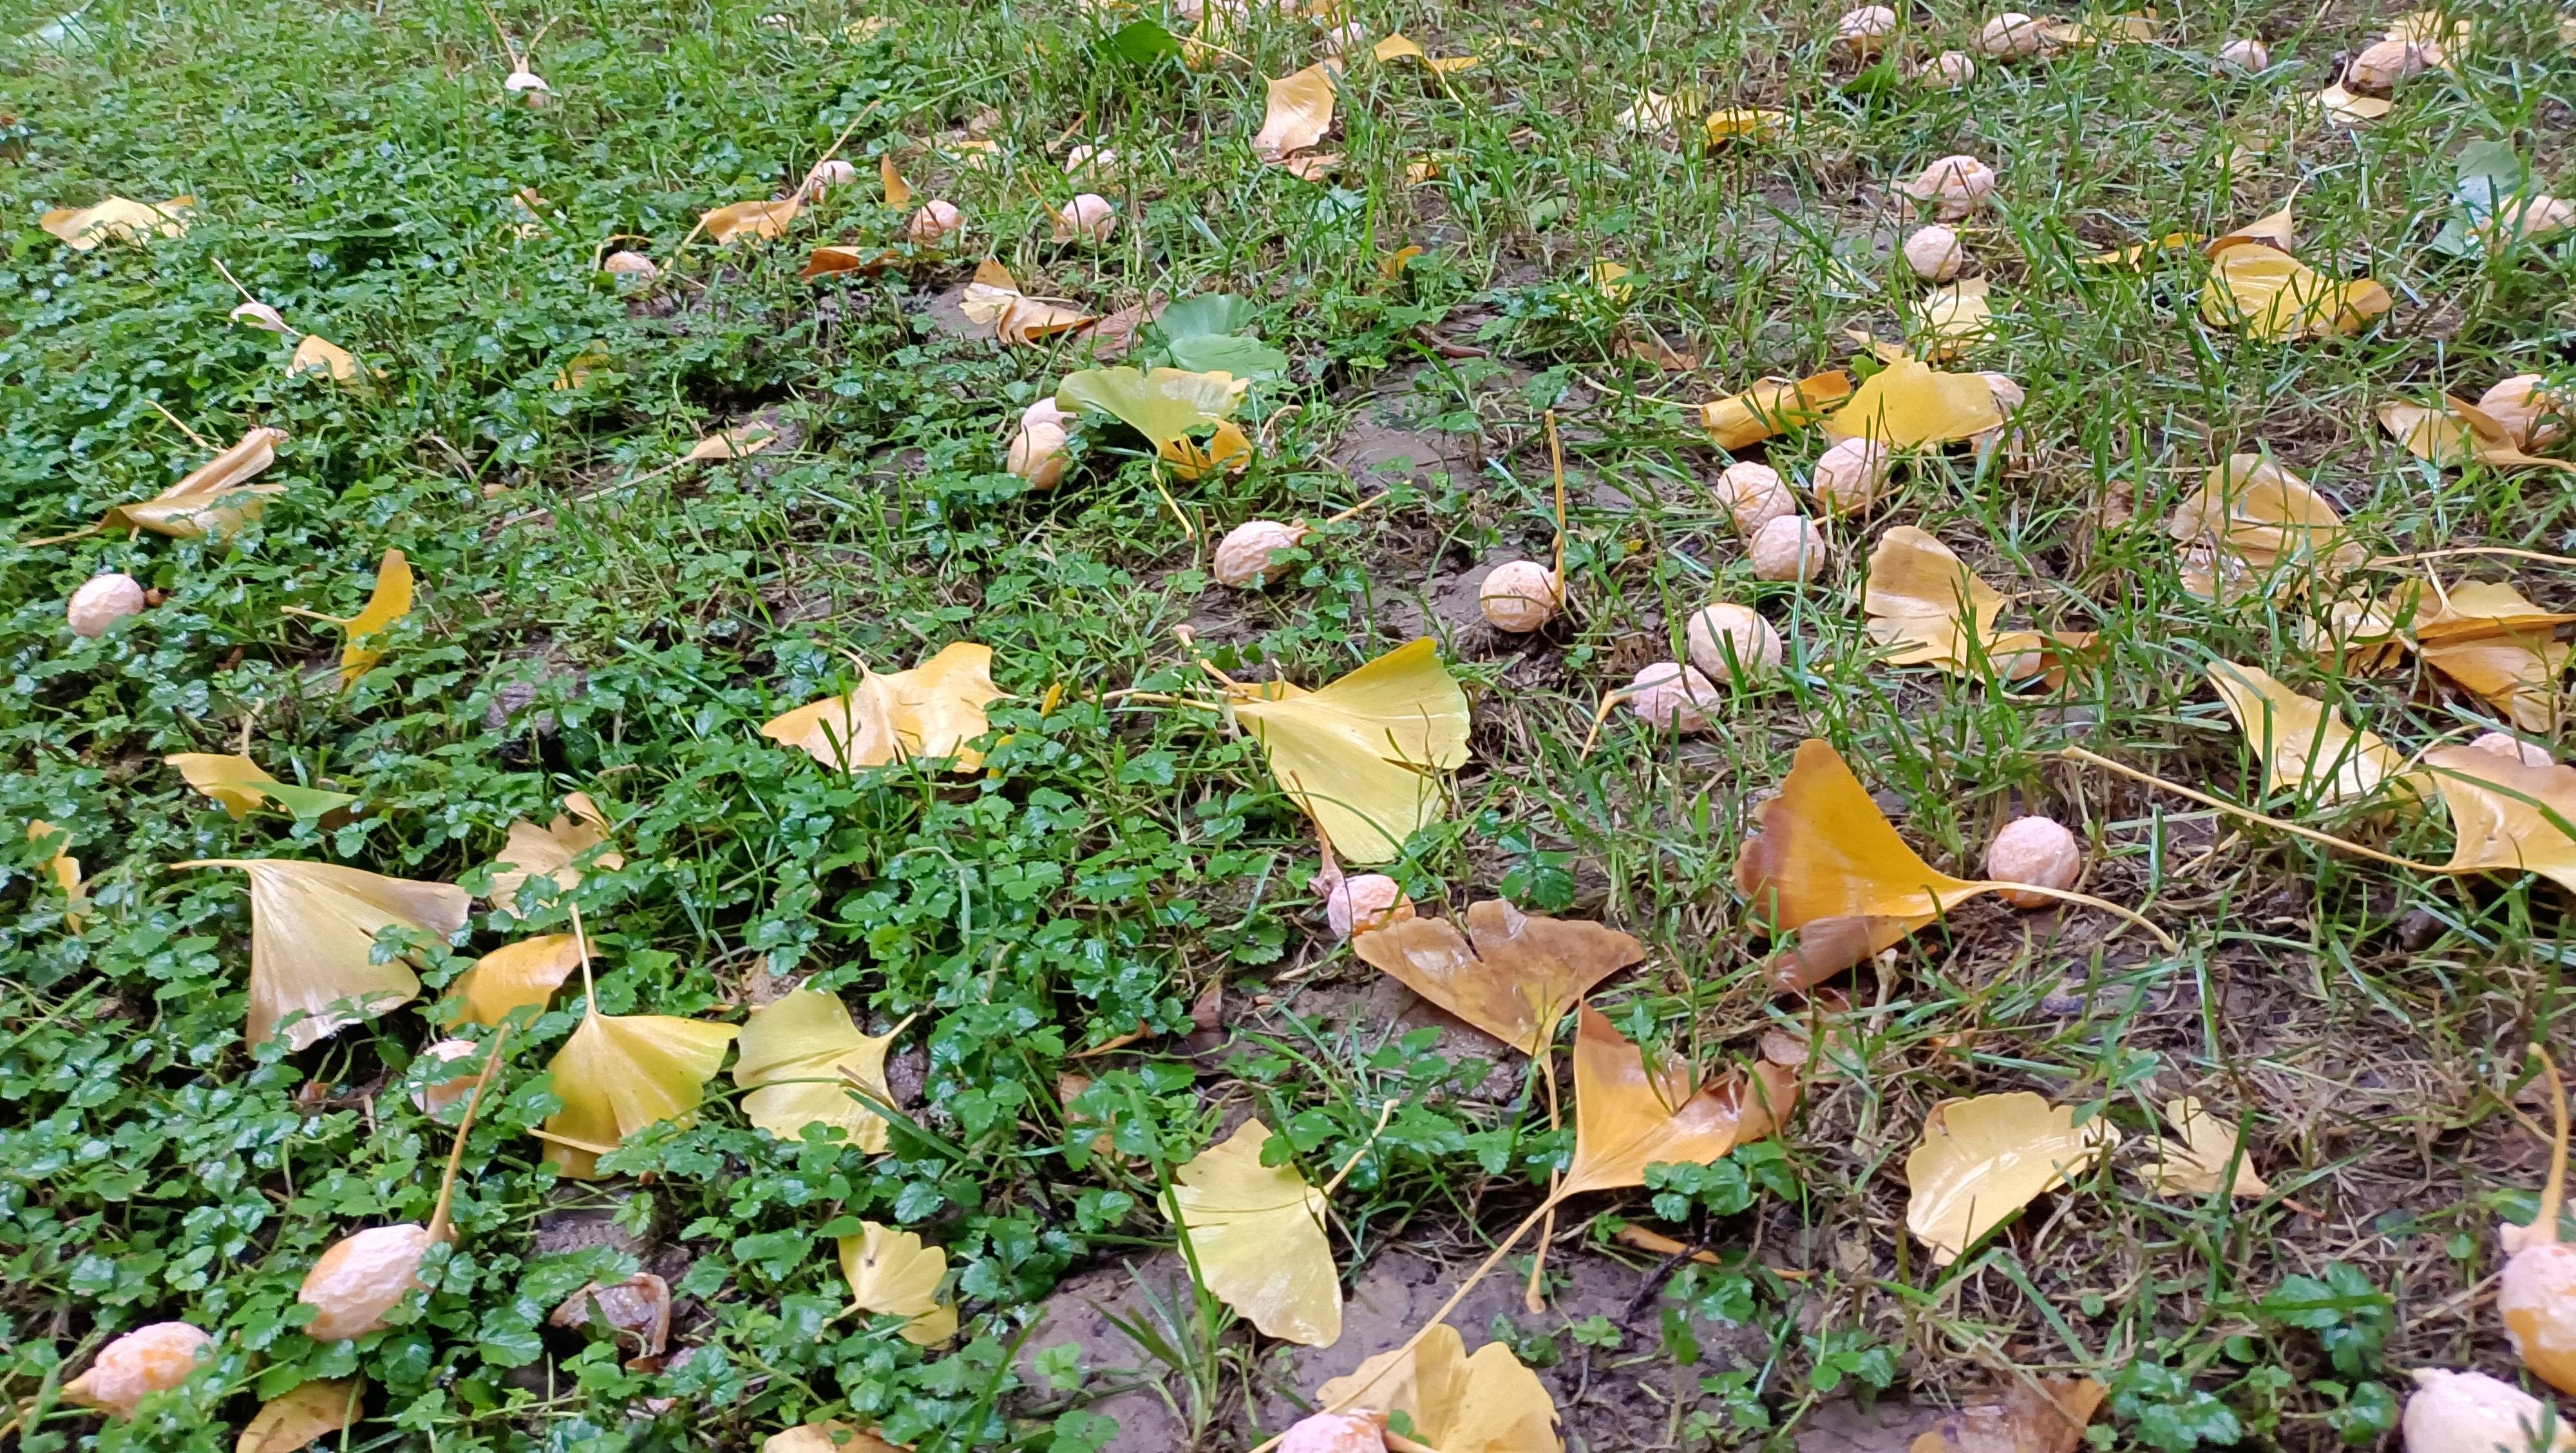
[(1511, 974), (1627, 1117), (2025, 1415), (636, 1311)]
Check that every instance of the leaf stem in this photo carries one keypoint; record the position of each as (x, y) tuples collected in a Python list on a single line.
[(581, 942), (439, 1228), (1385, 1113), (2553, 1192), (2069, 895), (2078, 754)]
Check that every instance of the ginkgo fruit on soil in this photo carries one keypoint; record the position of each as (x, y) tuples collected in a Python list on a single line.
[(102, 601)]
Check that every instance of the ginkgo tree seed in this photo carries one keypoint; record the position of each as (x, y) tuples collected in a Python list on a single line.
[(1364, 901), (2245, 54), (1754, 494), (1788, 548), (1672, 696), (152, 1358), (2034, 850), (1521, 596), (2011, 36), (1730, 642), (1947, 71), (1934, 253), (936, 222), (2470, 1412), (102, 601), (1863, 32), (1243, 556), (1087, 218), (1849, 475)]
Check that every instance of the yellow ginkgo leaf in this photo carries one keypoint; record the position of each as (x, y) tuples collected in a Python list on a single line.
[(932, 710), (897, 190), (320, 355), (1627, 1117), (1488, 1403), (2273, 297), (994, 300), (2196, 1164), (2300, 740), (621, 1072), (739, 442), (1227, 449), (2254, 526), (1300, 112), (2107, 30), (214, 500), (117, 219), (64, 869), (1922, 599), (1955, 319), (293, 1420), (313, 930), (1984, 1159), (2506, 815), (521, 975), (1362, 755), (550, 851), (893, 1274), (1651, 111), (389, 602), (1610, 280), (2136, 256), (2455, 432), (1511, 974), (761, 221), (1773, 406), (1163, 404), (1909, 404), (1745, 123), (1397, 48), (2276, 230), (2488, 638), (241, 786), (1257, 1238), (805, 1063), (2346, 107)]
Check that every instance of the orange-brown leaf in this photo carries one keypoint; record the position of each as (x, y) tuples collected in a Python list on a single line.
[(1511, 974), (1627, 1118), (2025, 1415)]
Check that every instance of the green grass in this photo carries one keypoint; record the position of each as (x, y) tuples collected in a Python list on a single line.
[(588, 623)]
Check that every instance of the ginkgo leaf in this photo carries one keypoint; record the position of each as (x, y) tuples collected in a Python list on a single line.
[(215, 499), (1257, 1239), (1922, 599), (2276, 230), (891, 1273), (761, 221), (389, 602), (241, 786), (618, 1073), (1773, 406), (1744, 123), (2507, 816), (1984, 1159), (2344, 106), (293, 1420), (1825, 862), (1909, 404), (1610, 280), (2135, 256), (1397, 48), (2026, 1414), (2300, 740), (2253, 525), (2456, 432), (1511, 974), (64, 869), (801, 1058), (1627, 1117), (550, 851), (2195, 1164), (118, 219), (1488, 1403), (313, 930), (1361, 754), (897, 190), (1955, 319), (994, 300), (320, 355), (739, 442), (1164, 405), (828, 1436), (1227, 449), (932, 710), (2107, 30), (521, 975), (827, 260), (1300, 112), (2488, 638), (2273, 297)]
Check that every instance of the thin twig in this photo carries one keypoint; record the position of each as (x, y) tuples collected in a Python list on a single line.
[(2078, 754)]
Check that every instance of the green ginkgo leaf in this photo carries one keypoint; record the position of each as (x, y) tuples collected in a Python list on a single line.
[(1164, 405)]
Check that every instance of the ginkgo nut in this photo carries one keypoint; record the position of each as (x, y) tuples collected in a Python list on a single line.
[(2008, 392), (1098, 161), (936, 222), (1046, 412), (441, 1088), (362, 1277), (1087, 218), (2035, 850), (629, 264), (1672, 696), (1344, 39), (2011, 36), (1755, 495), (1934, 253), (2245, 54), (2514, 749), (528, 87), (2470, 1412), (1520, 596), (102, 601), (829, 173), (1730, 642), (1952, 187), (1365, 901), (1948, 71), (1849, 475), (2383, 64), (1038, 455), (1243, 557), (155, 1357), (1864, 32), (1358, 1431), (1788, 548)]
